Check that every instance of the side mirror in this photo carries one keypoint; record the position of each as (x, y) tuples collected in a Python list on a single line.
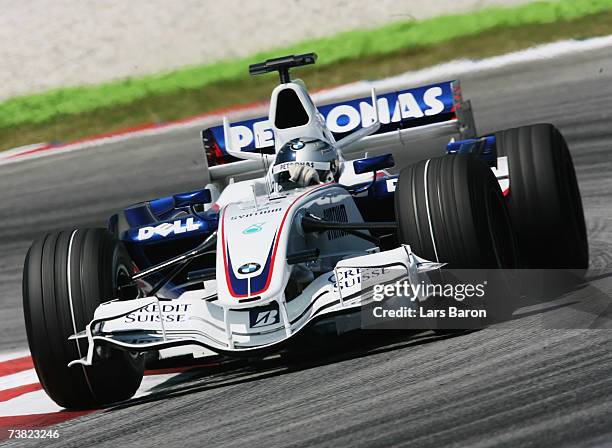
[(192, 198), (373, 164)]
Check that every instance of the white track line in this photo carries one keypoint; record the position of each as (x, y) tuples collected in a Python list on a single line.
[(13, 355), (38, 402), (32, 403), (18, 379)]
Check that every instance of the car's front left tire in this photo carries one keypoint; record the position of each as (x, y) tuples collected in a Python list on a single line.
[(66, 276)]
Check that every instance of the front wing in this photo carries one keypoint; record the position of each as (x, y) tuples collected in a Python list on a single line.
[(151, 323)]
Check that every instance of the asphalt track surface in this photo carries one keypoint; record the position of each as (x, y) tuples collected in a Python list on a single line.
[(543, 379)]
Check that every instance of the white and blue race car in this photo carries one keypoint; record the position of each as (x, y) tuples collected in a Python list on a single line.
[(289, 233)]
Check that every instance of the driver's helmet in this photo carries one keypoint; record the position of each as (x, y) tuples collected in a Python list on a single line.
[(314, 153)]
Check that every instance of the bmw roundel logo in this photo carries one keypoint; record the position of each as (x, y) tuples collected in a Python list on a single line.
[(297, 145), (248, 268)]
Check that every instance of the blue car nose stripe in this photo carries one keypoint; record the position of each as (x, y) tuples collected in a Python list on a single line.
[(239, 286)]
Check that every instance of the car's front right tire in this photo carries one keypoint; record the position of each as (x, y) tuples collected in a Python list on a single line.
[(451, 210), (66, 276)]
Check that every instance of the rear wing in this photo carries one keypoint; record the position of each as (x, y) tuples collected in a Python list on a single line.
[(406, 116)]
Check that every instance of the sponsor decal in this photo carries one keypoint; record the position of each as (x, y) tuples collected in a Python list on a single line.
[(348, 117), (170, 312), (347, 278), (264, 316), (393, 107), (323, 166), (391, 185), (177, 227), (260, 212), (352, 277), (253, 228), (249, 268)]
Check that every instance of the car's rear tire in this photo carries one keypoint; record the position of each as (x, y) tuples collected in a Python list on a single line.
[(544, 200), (66, 276), (451, 210)]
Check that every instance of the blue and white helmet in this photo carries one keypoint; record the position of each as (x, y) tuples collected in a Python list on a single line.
[(317, 154)]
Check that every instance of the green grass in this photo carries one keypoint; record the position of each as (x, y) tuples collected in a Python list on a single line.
[(75, 112)]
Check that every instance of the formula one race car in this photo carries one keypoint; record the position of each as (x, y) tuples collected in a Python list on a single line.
[(242, 266)]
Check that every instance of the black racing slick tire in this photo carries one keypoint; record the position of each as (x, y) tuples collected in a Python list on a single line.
[(66, 276), (451, 210), (544, 200)]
